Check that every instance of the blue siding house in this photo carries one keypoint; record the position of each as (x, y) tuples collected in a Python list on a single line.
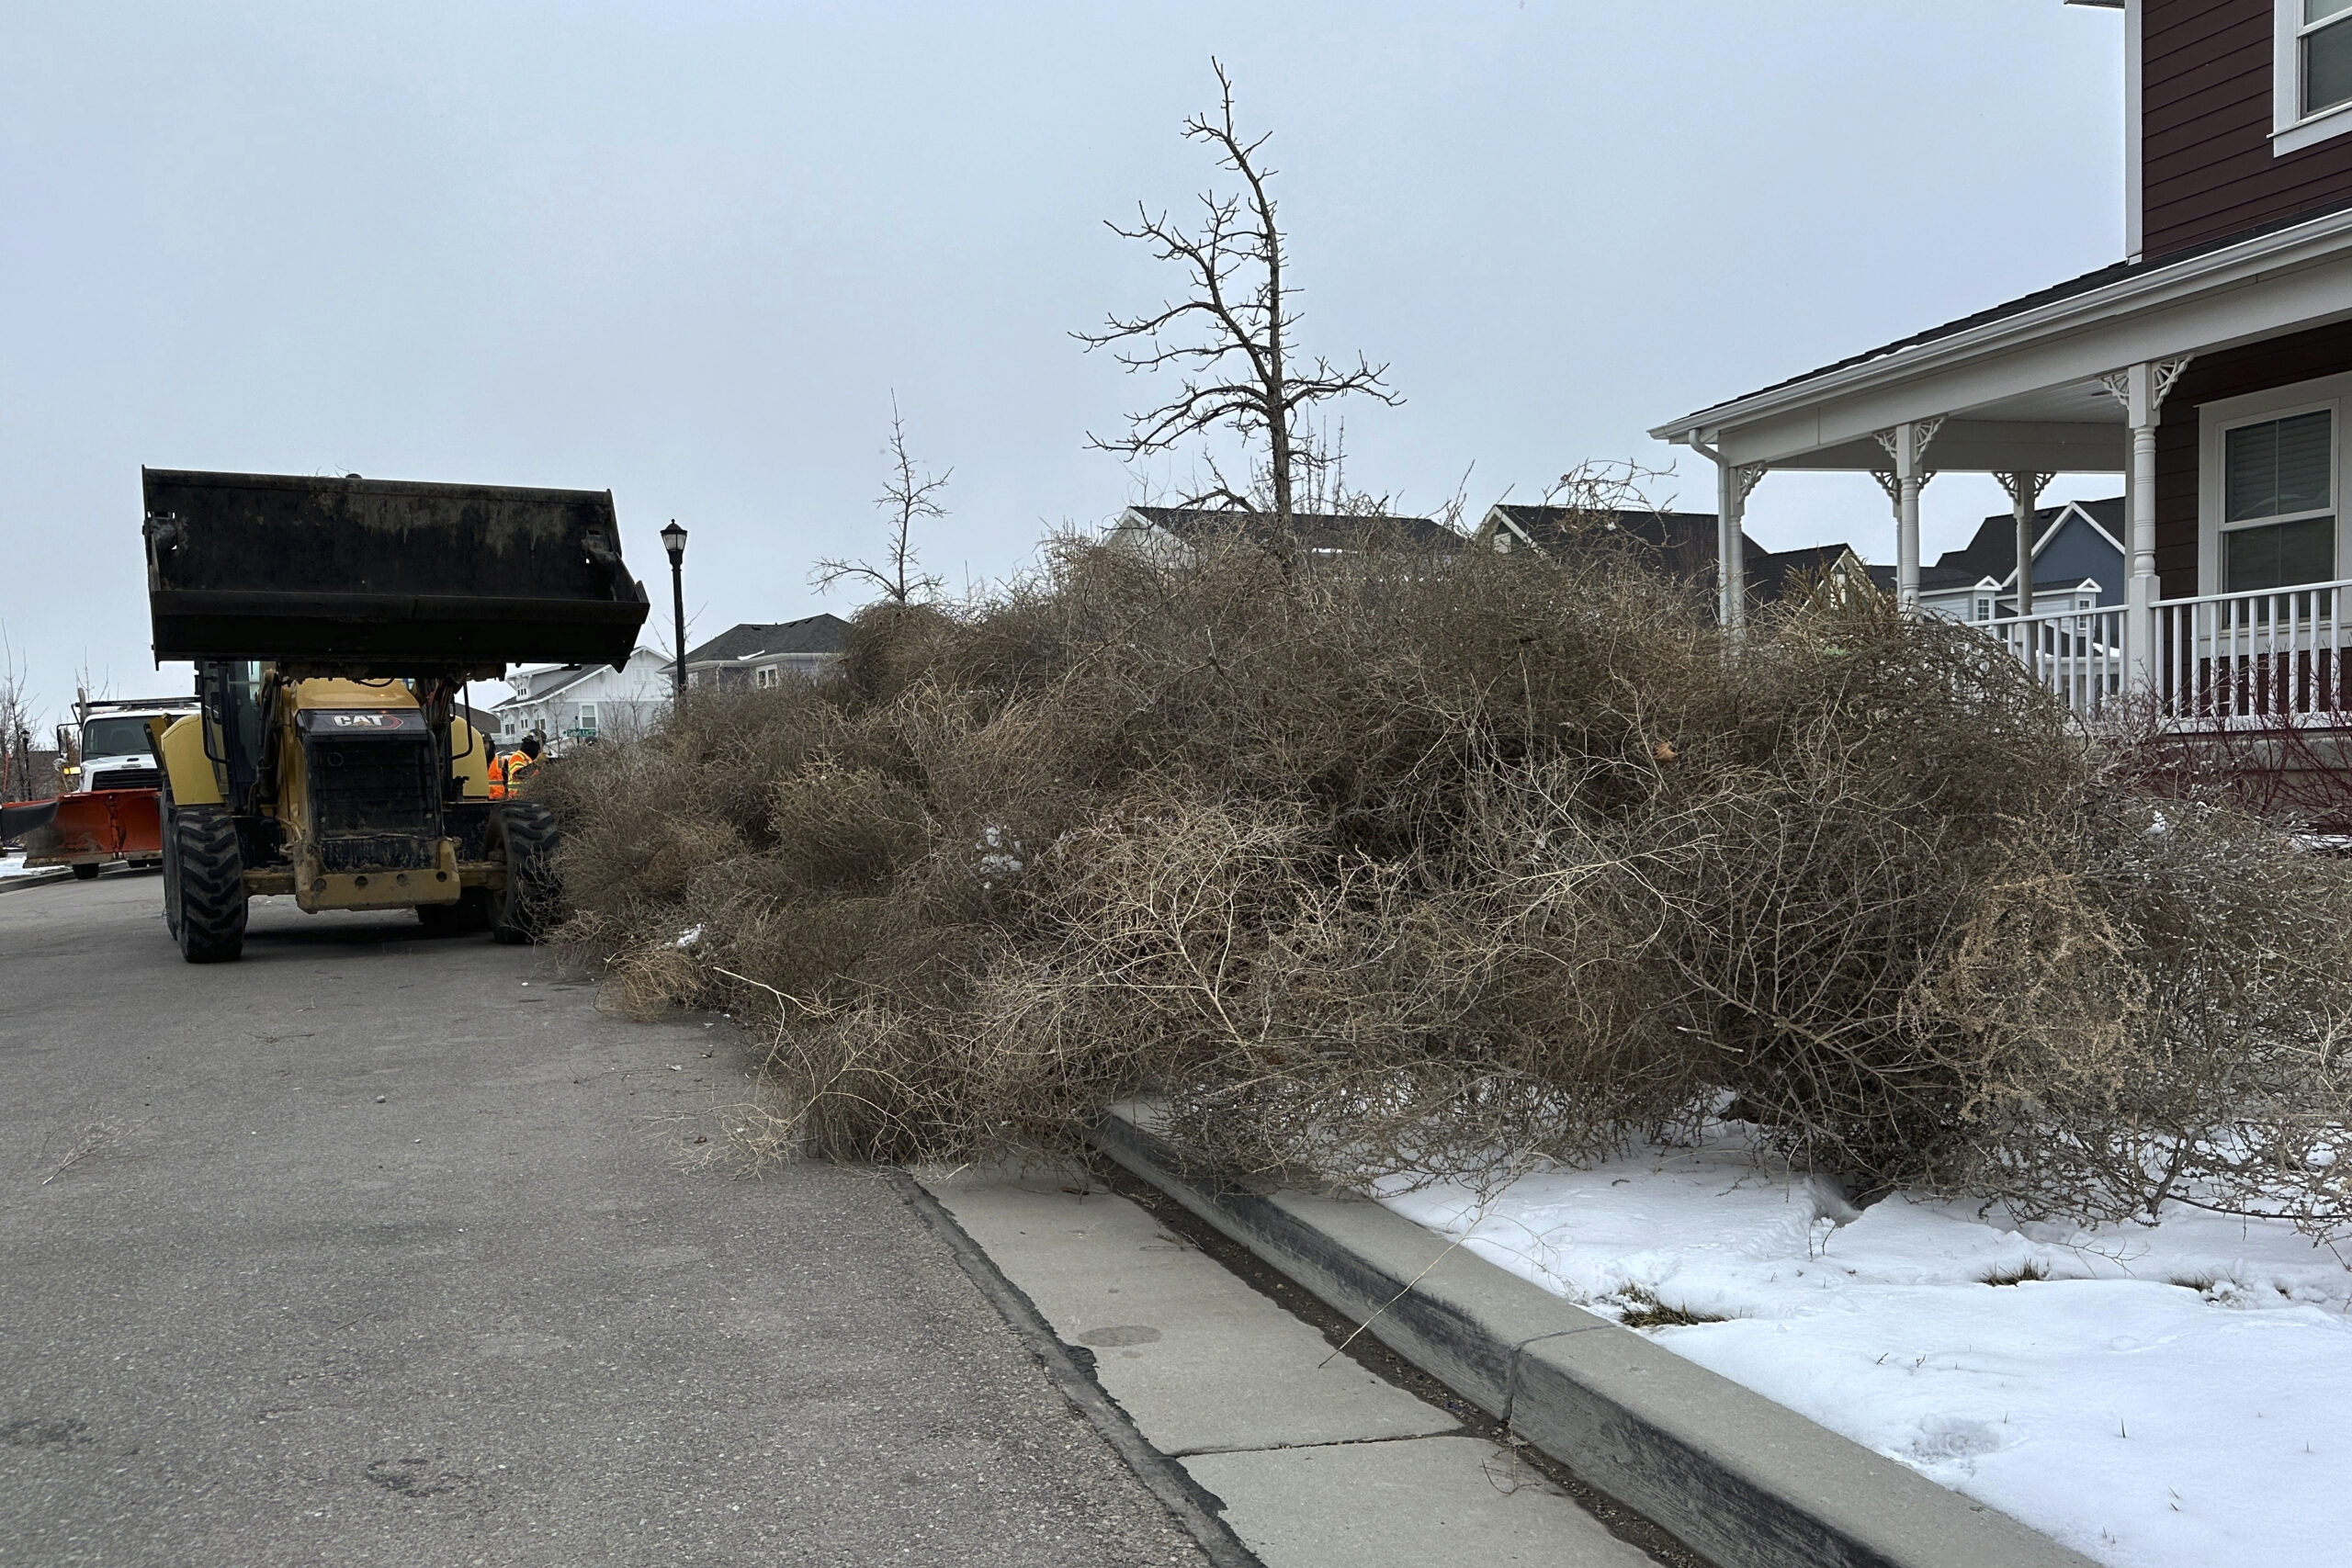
[(2077, 559)]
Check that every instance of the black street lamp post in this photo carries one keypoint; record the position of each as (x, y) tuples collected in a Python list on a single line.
[(673, 539)]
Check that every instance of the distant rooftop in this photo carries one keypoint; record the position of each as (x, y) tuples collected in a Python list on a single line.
[(810, 634)]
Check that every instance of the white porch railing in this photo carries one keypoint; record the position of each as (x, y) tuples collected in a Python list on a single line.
[(2281, 654), (2275, 654), (2077, 653)]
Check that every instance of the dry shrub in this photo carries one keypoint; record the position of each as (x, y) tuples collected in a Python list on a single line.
[(1394, 863)]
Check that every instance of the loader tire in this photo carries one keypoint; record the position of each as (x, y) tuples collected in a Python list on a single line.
[(523, 836), (204, 884)]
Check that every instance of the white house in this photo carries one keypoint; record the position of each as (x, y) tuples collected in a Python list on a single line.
[(567, 703)]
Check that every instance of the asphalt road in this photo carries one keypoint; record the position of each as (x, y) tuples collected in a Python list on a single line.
[(377, 1248)]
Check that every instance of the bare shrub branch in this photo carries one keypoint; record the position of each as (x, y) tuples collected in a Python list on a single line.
[(1402, 865)]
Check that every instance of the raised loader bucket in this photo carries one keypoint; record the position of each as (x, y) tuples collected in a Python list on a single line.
[(385, 577)]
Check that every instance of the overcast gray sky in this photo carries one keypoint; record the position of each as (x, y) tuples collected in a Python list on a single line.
[(687, 252)]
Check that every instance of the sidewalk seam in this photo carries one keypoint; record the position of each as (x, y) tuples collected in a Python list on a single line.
[(1195, 1508)]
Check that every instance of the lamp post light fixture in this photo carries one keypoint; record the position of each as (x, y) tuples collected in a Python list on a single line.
[(673, 539)]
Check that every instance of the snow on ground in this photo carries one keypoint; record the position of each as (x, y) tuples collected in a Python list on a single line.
[(13, 865), (2168, 1397)]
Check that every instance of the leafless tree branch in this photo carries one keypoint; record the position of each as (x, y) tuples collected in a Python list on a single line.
[(1227, 341), (905, 500)]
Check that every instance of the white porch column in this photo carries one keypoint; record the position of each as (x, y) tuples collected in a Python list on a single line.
[(1733, 481), (2140, 389), (2025, 487), (1738, 482), (1906, 443)]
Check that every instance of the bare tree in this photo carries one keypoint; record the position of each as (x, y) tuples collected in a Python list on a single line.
[(1229, 340), (16, 719), (905, 500)]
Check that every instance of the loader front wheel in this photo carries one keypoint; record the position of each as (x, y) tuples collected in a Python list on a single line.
[(522, 837), (204, 884)]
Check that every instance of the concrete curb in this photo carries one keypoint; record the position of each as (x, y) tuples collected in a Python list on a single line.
[(1745, 1482)]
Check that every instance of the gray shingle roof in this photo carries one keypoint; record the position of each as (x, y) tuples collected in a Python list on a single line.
[(810, 634), (1685, 541), (1994, 552), (1770, 573)]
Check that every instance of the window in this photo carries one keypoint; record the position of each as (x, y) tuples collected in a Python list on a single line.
[(2324, 55), (587, 725), (2278, 519), (766, 676), (1984, 609), (2311, 73)]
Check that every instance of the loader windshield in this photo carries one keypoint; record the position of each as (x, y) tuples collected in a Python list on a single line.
[(116, 738)]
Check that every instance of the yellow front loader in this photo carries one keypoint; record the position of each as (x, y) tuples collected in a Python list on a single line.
[(334, 625)]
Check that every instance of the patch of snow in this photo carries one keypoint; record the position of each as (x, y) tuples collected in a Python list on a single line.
[(2164, 1396), (13, 865), (688, 937), (1000, 855)]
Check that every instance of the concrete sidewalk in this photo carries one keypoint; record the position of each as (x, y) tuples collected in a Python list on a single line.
[(1318, 1463), (377, 1248)]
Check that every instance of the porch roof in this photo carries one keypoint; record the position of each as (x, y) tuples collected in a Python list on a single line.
[(2020, 385)]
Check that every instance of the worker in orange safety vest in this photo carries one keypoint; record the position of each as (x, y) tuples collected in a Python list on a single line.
[(508, 773)]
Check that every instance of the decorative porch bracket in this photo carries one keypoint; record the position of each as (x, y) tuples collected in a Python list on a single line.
[(2025, 487), (2140, 389), (1906, 443)]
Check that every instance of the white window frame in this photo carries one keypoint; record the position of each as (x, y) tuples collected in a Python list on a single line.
[(766, 678), (2291, 130), (586, 718), (2217, 419)]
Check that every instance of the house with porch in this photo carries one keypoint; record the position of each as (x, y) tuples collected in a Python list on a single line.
[(2210, 368)]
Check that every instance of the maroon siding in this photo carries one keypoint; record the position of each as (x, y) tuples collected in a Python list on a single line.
[(2206, 167), (2257, 367)]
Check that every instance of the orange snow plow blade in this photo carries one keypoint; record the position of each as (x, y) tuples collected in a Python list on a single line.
[(98, 825)]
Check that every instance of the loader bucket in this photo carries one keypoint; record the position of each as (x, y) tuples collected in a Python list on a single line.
[(382, 577)]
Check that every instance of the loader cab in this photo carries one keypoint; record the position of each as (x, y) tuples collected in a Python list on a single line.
[(235, 726)]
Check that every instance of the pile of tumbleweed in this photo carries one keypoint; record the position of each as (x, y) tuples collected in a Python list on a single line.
[(1375, 862)]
